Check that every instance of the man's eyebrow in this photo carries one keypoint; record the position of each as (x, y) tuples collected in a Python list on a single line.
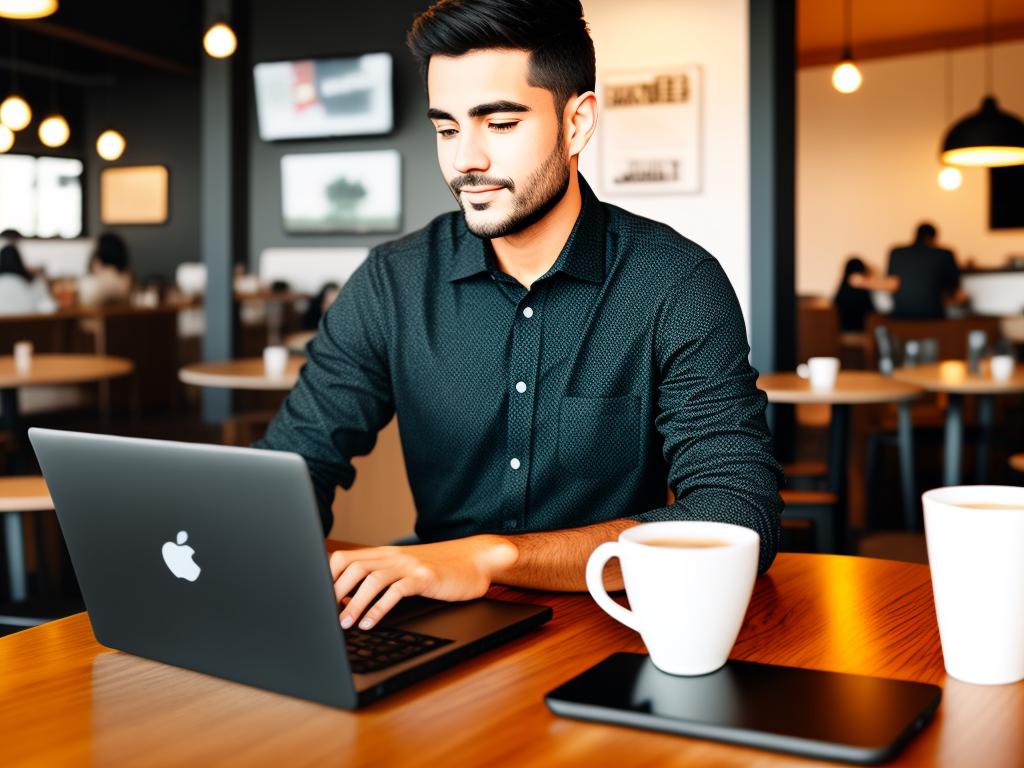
[(480, 110)]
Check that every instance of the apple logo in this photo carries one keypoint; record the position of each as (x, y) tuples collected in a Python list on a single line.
[(179, 558)]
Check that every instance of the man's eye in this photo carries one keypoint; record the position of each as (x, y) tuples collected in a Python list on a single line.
[(503, 127), (446, 133)]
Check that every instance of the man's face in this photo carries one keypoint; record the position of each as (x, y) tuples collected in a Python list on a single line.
[(499, 140)]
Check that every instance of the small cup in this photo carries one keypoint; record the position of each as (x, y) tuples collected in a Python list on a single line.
[(975, 537), (822, 372), (688, 584), (1002, 367), (23, 356), (275, 361)]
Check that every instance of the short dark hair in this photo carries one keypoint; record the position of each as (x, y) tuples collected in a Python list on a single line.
[(925, 231), (11, 263), (553, 31), (112, 251)]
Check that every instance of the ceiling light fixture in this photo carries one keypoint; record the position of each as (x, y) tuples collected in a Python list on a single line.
[(220, 41), (846, 77), (27, 9), (990, 137), (6, 139), (950, 177), (110, 145)]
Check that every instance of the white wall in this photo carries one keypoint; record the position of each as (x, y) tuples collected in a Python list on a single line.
[(867, 163), (713, 34)]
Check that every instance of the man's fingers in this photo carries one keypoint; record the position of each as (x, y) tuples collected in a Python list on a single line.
[(342, 558), (368, 590), (387, 601), (354, 574)]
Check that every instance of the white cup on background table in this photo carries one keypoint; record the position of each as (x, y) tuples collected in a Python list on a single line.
[(275, 361), (23, 356)]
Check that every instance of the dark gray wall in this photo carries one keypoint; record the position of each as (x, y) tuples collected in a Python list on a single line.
[(307, 28), (159, 116)]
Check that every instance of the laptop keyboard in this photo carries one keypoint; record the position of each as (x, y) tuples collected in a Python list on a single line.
[(376, 649)]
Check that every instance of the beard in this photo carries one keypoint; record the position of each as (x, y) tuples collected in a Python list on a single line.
[(543, 190)]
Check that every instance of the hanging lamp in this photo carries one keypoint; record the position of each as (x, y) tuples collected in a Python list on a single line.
[(846, 77)]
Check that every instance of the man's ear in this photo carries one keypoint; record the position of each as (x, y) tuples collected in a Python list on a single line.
[(580, 119)]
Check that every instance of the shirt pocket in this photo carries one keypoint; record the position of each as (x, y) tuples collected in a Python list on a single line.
[(599, 436)]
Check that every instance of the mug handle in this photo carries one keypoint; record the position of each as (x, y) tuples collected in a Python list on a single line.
[(595, 583)]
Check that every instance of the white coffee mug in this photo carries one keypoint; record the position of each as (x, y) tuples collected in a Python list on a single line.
[(687, 602), (976, 555), (1002, 367), (23, 356), (822, 371), (275, 361)]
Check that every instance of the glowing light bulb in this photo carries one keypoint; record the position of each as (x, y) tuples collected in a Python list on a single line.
[(6, 138), (950, 178), (15, 113), (54, 131), (27, 9), (220, 41), (110, 145), (846, 78)]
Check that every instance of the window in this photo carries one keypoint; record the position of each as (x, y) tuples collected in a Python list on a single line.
[(41, 196)]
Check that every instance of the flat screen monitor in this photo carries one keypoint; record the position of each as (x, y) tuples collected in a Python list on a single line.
[(321, 98), (1006, 197)]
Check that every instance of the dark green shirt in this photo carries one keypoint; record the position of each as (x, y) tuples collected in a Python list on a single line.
[(621, 372)]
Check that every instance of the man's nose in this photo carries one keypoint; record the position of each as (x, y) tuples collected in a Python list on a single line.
[(471, 154)]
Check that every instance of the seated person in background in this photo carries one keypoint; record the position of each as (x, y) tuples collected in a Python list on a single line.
[(853, 299), (929, 277), (109, 280), (555, 362), (21, 292), (318, 305)]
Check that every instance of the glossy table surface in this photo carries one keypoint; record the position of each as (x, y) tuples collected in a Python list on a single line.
[(952, 377), (244, 373), (66, 700), (62, 369), (851, 388)]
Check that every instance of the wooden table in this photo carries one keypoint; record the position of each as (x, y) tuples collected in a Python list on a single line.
[(854, 388), (952, 378), (245, 373), (20, 494), (66, 700)]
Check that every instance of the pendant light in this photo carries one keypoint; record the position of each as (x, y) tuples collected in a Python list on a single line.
[(6, 138), (846, 77), (15, 112), (990, 137), (220, 41), (27, 9), (110, 144), (950, 177), (54, 130)]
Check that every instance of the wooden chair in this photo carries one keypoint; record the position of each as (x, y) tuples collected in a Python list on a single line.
[(822, 509)]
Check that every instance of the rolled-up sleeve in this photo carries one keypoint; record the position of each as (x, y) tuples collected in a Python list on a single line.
[(344, 396), (711, 414)]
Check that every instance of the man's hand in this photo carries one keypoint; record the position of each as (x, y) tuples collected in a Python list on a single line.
[(461, 569)]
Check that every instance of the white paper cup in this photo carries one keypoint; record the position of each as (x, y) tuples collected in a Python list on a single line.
[(1002, 367), (977, 564), (822, 371), (687, 604), (275, 361), (23, 356)]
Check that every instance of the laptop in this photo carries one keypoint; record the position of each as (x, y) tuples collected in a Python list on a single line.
[(212, 558)]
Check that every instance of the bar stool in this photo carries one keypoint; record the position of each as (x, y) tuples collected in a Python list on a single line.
[(20, 494)]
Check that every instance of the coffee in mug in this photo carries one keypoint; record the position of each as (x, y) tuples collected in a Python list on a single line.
[(688, 585)]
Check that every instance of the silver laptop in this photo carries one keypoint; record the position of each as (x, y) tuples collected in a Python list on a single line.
[(213, 559)]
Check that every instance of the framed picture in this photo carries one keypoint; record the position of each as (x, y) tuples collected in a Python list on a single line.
[(342, 192), (134, 194), (650, 138), (319, 98)]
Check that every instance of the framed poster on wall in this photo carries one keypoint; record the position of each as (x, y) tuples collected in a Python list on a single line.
[(134, 194), (650, 131), (342, 192)]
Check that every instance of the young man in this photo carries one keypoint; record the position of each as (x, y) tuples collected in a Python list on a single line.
[(555, 363)]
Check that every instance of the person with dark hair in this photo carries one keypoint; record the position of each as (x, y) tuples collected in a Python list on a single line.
[(21, 292), (318, 305), (109, 281), (853, 299), (556, 363), (929, 278)]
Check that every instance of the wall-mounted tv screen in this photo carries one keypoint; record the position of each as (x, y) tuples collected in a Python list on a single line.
[(319, 98), (1006, 197)]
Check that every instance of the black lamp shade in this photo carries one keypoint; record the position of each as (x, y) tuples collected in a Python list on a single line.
[(989, 137)]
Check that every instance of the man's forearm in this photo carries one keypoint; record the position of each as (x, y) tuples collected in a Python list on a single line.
[(557, 560)]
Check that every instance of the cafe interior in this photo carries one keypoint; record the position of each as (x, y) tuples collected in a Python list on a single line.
[(185, 202)]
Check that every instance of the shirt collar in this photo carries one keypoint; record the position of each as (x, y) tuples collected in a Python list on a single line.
[(582, 256)]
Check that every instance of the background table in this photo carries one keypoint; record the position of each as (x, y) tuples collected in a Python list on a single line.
[(952, 378), (854, 388), (66, 700), (246, 373), (17, 495)]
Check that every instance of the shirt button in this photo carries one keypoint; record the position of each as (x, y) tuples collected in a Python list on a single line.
[(520, 387), (528, 312), (515, 463)]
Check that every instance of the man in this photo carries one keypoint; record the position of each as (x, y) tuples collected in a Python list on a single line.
[(555, 363), (928, 277)]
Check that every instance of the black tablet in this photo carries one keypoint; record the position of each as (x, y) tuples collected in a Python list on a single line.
[(826, 715)]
